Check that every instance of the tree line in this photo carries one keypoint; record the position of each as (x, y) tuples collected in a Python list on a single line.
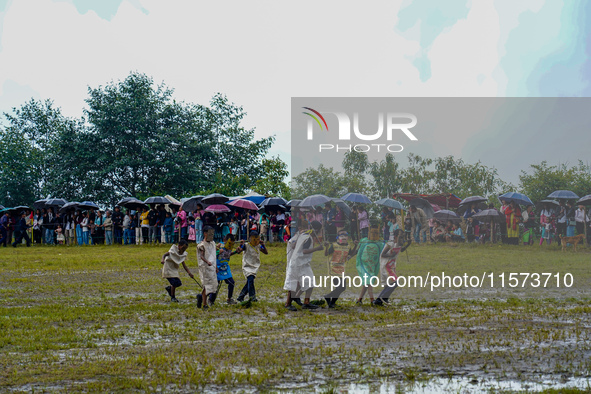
[(380, 179), (134, 139)]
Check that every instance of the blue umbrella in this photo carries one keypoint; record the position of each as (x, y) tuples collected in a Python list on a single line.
[(563, 195), (390, 203), (314, 200), (518, 198), (356, 197), (2, 207)]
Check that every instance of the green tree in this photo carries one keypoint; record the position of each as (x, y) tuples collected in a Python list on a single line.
[(19, 168), (321, 180), (544, 179), (273, 183), (386, 177), (416, 178)]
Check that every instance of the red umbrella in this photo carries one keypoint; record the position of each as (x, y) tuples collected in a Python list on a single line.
[(241, 203), (218, 208)]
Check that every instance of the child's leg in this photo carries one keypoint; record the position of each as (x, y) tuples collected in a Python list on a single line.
[(230, 282), (370, 291), (204, 297), (363, 290), (243, 292), (251, 289), (308, 295)]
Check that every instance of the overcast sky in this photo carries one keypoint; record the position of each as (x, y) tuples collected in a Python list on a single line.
[(262, 53)]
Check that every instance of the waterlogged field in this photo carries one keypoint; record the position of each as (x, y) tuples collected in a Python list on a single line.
[(99, 319)]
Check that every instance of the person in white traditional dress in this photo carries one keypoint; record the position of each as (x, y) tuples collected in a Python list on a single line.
[(299, 267), (206, 257), (171, 260), (251, 262)]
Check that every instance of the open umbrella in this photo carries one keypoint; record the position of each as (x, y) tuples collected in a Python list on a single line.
[(563, 195), (473, 199), (173, 201), (217, 208), (463, 208), (585, 200), (445, 215), (2, 207), (293, 203), (314, 200), (553, 204), (518, 198), (132, 203), (273, 202), (424, 205), (390, 203), (489, 214), (49, 203), (157, 200), (357, 198), (16, 210), (190, 204), (246, 204), (88, 205), (344, 207), (71, 206), (215, 198)]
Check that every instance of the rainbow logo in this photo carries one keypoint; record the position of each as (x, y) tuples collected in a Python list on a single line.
[(315, 118)]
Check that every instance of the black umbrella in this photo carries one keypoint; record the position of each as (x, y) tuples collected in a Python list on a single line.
[(16, 210), (463, 208), (215, 198), (552, 204), (88, 205), (132, 203), (71, 206), (424, 205), (49, 203), (273, 202), (343, 205), (445, 215), (190, 204), (157, 200), (473, 199), (489, 214), (586, 200)]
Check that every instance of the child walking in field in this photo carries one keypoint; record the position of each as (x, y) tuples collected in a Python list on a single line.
[(223, 263), (388, 275), (207, 268), (251, 262), (171, 260)]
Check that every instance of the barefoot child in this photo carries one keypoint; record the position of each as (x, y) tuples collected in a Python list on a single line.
[(251, 262), (368, 260), (339, 253), (388, 275), (207, 268), (171, 261), (223, 263)]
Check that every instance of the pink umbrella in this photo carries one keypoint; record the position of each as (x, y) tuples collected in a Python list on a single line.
[(435, 207), (241, 203), (218, 208)]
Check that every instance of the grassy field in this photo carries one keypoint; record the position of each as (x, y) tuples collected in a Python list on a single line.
[(98, 319)]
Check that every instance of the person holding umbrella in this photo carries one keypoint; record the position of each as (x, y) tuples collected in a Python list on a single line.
[(512, 216), (21, 231)]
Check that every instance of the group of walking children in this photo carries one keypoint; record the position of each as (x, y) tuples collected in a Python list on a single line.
[(213, 266)]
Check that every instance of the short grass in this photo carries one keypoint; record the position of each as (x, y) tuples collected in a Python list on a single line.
[(98, 319)]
